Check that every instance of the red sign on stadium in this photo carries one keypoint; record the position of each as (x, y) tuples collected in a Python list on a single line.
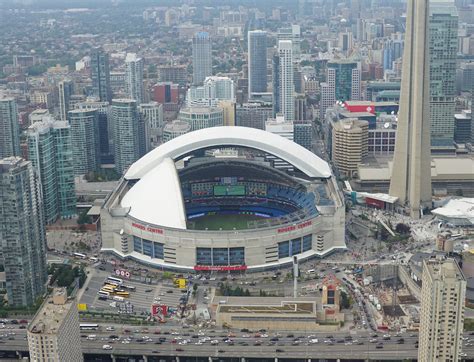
[(295, 227), (147, 228), (220, 267)]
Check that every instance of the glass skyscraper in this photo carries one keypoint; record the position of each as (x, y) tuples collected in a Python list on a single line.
[(9, 128), (50, 151), (443, 51), (202, 57), (100, 75), (257, 61), (134, 77), (85, 140), (22, 231), (128, 133)]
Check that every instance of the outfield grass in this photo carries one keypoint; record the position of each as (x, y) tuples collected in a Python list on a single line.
[(224, 222)]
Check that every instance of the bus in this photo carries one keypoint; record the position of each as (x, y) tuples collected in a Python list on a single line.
[(79, 255), (88, 327), (123, 294), (129, 287), (113, 286), (113, 280), (107, 289), (103, 293)]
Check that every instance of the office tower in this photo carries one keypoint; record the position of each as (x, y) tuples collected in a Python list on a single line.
[(134, 77), (53, 334), (173, 73), (349, 144), (50, 151), (392, 50), (257, 61), (253, 114), (202, 57), (152, 119), (22, 231), (85, 140), (276, 84), (303, 134), (287, 86), (300, 108), (345, 76), (65, 90), (101, 76), (443, 43), (345, 41), (202, 117), (9, 128), (292, 34), (442, 310), (127, 132), (411, 179), (214, 90), (105, 128), (280, 126)]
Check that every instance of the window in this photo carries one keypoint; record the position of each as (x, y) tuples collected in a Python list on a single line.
[(147, 247), (203, 256), (283, 249), (295, 246), (237, 256), (307, 242), (137, 244), (220, 256), (158, 251)]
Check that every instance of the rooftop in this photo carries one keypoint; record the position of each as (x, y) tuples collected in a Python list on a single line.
[(50, 316), (443, 269)]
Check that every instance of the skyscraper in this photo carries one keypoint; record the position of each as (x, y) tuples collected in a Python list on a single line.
[(202, 57), (50, 151), (126, 126), (100, 75), (345, 75), (287, 86), (443, 53), (257, 61), (85, 140), (54, 332), (292, 34), (22, 231), (9, 128), (134, 77), (276, 85), (65, 90), (442, 311), (411, 176), (214, 90)]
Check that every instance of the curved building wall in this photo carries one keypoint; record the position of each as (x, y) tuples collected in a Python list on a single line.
[(254, 248)]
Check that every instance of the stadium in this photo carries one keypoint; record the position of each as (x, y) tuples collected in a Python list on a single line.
[(224, 199)]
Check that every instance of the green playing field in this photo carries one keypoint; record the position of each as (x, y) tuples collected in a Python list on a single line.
[(224, 222)]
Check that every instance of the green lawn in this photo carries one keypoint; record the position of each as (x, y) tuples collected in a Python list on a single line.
[(224, 222)]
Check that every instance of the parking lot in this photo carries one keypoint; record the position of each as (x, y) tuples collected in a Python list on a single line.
[(141, 298)]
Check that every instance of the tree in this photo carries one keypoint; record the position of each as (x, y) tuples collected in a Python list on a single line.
[(403, 229), (346, 301)]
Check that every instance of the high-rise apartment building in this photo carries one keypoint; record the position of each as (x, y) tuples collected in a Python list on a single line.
[(175, 129), (287, 86), (214, 90), (50, 151), (303, 134), (101, 75), (202, 57), (85, 140), (9, 128), (443, 43), (65, 91), (127, 131), (166, 92), (22, 231), (134, 77), (411, 177), (202, 117), (257, 61), (442, 311), (152, 117), (292, 34), (349, 144), (53, 334)]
